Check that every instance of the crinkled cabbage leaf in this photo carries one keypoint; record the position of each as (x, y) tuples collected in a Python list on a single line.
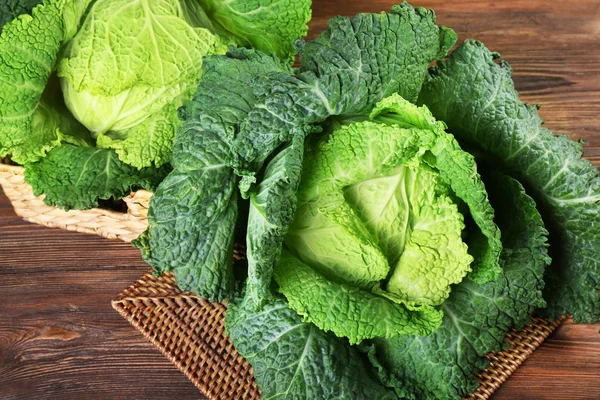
[(295, 359), (476, 98)]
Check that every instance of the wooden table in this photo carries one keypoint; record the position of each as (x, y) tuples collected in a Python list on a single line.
[(60, 338)]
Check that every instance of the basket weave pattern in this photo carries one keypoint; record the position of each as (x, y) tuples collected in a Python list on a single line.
[(189, 330)]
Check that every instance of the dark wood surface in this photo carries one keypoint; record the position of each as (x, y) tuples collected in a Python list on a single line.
[(60, 338)]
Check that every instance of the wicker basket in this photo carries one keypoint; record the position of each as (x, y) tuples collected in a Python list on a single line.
[(189, 330), (106, 223)]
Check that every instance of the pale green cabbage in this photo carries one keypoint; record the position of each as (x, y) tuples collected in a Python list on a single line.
[(113, 74)]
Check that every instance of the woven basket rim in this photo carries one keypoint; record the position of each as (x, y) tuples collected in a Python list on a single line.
[(14, 169)]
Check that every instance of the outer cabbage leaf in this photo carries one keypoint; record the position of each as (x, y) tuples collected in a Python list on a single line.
[(192, 218), (189, 150), (29, 47), (295, 360), (347, 310), (349, 68), (74, 177), (271, 26), (195, 206), (476, 98), (284, 107), (358, 61), (476, 317), (272, 209), (11, 9), (225, 94)]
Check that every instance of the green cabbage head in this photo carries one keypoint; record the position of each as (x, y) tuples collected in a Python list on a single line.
[(128, 68), (378, 233), (132, 64)]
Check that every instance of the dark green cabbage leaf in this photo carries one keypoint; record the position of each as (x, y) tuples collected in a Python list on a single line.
[(74, 177), (11, 9), (292, 359), (476, 98)]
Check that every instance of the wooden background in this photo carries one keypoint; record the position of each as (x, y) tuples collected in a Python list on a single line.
[(60, 338)]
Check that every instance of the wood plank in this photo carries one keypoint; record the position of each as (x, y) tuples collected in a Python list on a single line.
[(73, 250), (59, 336)]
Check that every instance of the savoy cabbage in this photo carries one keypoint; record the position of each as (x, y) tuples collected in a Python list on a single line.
[(370, 228), (376, 211), (112, 74)]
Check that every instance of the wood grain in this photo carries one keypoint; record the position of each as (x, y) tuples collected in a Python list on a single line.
[(59, 336), (60, 339)]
